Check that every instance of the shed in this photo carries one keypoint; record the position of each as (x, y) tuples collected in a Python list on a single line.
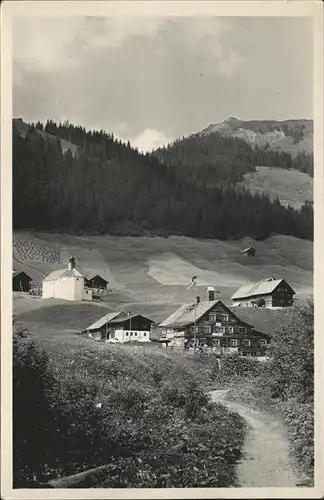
[(20, 281), (248, 252), (96, 281)]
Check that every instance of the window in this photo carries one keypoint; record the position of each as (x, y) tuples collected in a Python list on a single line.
[(230, 329), (131, 334), (242, 329), (126, 334), (212, 317), (144, 333), (247, 342), (207, 329), (263, 342), (224, 317), (135, 333), (216, 342), (233, 342), (220, 330)]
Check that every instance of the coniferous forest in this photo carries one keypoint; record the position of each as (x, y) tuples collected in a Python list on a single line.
[(188, 188)]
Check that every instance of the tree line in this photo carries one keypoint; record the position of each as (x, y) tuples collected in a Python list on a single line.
[(226, 159), (109, 187)]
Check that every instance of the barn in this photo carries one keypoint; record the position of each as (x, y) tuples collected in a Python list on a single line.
[(271, 293), (248, 252), (20, 281), (97, 282), (67, 284)]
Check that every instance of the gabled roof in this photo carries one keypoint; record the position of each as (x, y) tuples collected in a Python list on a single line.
[(127, 318), (263, 287), (105, 319), (188, 313), (63, 273), (16, 273), (97, 276), (247, 249), (264, 320)]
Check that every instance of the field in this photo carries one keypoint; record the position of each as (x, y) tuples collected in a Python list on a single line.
[(290, 186), (152, 274)]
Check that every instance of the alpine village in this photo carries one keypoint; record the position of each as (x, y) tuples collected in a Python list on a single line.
[(162, 309)]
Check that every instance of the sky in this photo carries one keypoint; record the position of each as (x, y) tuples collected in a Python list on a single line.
[(152, 80)]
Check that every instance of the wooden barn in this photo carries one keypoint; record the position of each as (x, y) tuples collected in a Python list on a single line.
[(248, 252), (121, 327), (270, 293), (20, 281), (97, 282), (212, 325)]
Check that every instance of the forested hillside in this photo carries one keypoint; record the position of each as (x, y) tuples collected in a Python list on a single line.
[(226, 159), (111, 188)]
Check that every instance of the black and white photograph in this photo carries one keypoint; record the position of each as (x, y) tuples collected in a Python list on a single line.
[(161, 236)]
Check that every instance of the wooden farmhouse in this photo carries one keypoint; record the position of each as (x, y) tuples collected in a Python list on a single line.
[(213, 325), (97, 282), (248, 252), (120, 327), (20, 281), (270, 293), (67, 284)]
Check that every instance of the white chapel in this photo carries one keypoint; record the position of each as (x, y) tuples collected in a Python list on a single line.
[(67, 284)]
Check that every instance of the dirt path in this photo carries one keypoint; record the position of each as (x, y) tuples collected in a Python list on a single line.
[(265, 459)]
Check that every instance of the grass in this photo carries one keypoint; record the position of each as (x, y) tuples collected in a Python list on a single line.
[(158, 270), (290, 186), (154, 426)]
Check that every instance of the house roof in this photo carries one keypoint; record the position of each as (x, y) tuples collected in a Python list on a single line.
[(63, 273), (188, 313), (264, 320), (263, 287), (247, 249), (127, 318), (96, 277), (105, 319), (17, 273)]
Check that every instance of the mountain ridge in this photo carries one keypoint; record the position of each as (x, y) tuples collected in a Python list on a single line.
[(292, 136)]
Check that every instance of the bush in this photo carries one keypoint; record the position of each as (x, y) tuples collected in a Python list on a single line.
[(299, 419), (32, 418), (284, 384), (234, 367), (145, 413)]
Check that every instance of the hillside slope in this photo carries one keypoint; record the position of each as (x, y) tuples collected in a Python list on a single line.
[(110, 188), (23, 129), (291, 136), (153, 274), (289, 186)]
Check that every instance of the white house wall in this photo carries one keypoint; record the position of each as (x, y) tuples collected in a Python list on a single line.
[(48, 289), (125, 336), (69, 288)]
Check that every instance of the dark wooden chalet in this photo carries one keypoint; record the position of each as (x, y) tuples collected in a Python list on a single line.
[(96, 281), (21, 281), (270, 293), (213, 325)]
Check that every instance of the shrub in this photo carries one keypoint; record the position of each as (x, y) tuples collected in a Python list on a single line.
[(143, 412), (32, 418), (235, 367)]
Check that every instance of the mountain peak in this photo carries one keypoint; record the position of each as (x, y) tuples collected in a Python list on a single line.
[(291, 136)]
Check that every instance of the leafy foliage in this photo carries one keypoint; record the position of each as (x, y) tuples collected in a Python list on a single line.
[(285, 383), (143, 413), (109, 187)]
